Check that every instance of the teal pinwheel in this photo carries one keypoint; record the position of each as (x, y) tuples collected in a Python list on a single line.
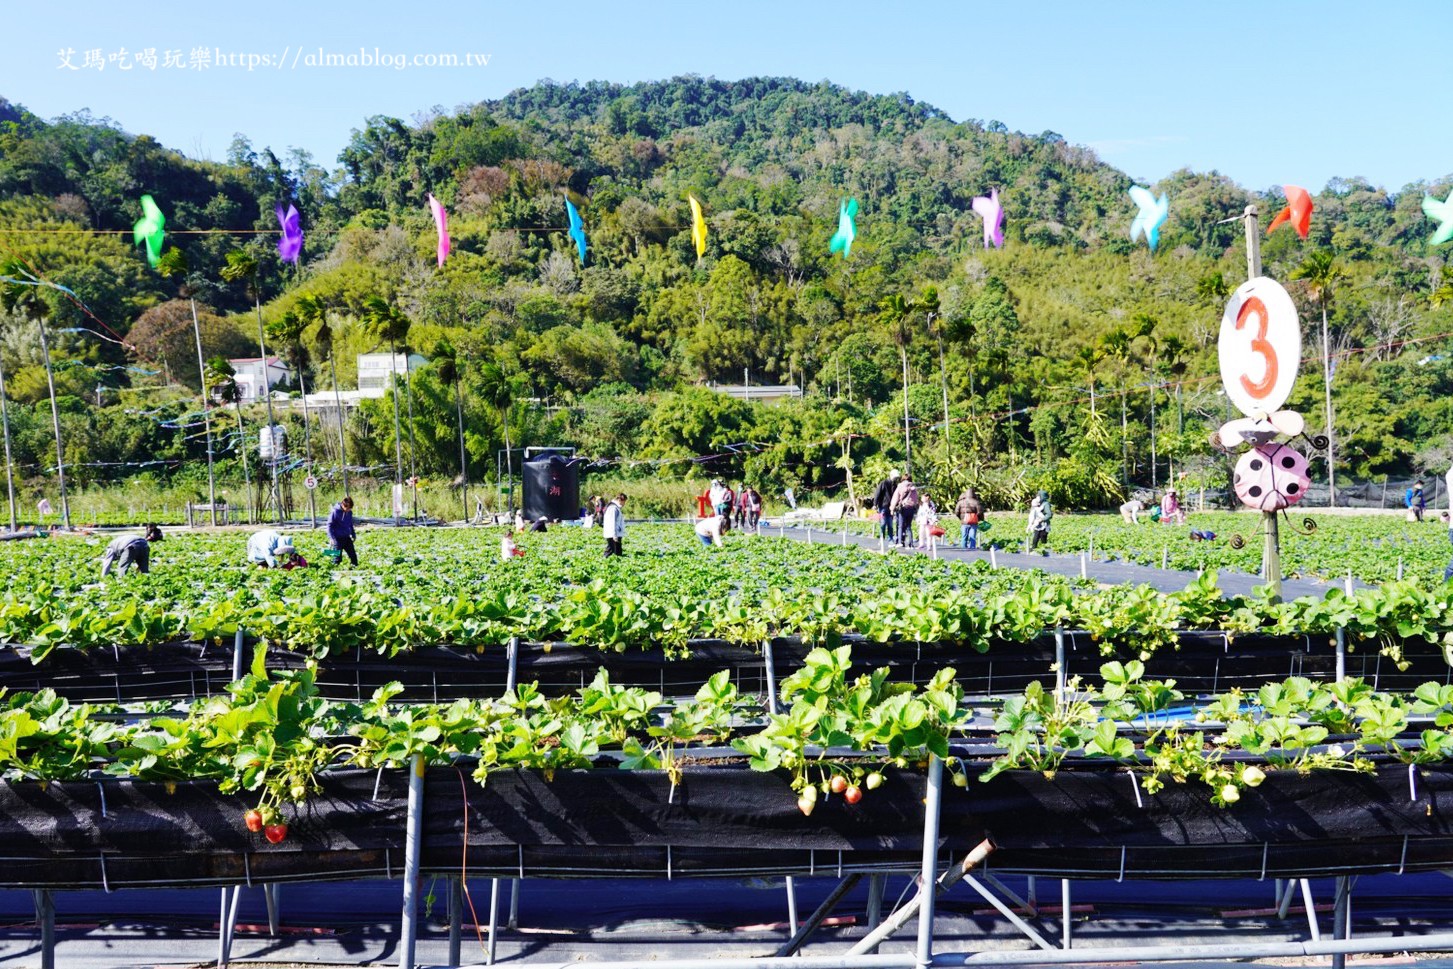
[(1443, 212), (847, 228), (151, 229), (1152, 215)]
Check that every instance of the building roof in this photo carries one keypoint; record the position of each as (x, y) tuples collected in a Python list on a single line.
[(271, 361)]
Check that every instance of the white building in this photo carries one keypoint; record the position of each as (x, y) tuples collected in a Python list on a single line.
[(251, 373), (761, 393), (375, 370)]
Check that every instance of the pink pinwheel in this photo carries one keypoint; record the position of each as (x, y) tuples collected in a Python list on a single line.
[(441, 221), (290, 245), (992, 213)]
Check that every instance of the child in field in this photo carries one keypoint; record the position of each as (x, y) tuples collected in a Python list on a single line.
[(507, 548)]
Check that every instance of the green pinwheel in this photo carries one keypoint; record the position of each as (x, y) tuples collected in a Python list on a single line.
[(847, 228), (150, 228), (1443, 212)]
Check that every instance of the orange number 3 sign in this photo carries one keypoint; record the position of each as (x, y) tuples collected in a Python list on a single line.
[(1262, 388)]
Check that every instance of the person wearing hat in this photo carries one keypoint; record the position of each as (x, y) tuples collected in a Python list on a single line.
[(130, 550), (1171, 512), (272, 549), (883, 503)]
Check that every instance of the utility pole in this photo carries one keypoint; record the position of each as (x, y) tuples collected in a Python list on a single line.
[(5, 423), (55, 417), (1271, 551), (206, 415)]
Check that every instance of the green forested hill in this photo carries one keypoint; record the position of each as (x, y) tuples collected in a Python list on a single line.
[(607, 356)]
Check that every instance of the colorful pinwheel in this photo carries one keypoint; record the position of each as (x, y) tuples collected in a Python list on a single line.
[(150, 228), (441, 222), (847, 228), (290, 244), (1152, 215), (1443, 212), (992, 213), (577, 229), (698, 226), (1298, 211)]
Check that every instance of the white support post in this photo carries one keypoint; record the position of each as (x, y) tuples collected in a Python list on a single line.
[(928, 876), (413, 838), (1084, 566), (770, 671), (1064, 912), (238, 643), (993, 558), (1341, 655), (1060, 662)]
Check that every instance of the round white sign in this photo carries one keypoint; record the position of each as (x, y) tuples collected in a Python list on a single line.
[(310, 482), (1260, 347)]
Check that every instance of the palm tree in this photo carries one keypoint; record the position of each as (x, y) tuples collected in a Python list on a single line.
[(446, 363), (1116, 346), (288, 329), (895, 314), (1321, 272), (497, 392), (218, 377), (314, 312), (242, 267), (928, 305), (390, 326), (174, 263), (16, 296)]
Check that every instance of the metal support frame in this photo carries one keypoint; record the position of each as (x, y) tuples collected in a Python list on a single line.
[(274, 913), (1004, 910), (456, 919), (1060, 673), (928, 878), (227, 924), (800, 937), (1032, 957)]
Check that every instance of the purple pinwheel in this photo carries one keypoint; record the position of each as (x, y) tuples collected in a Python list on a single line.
[(992, 213), (441, 222), (290, 245)]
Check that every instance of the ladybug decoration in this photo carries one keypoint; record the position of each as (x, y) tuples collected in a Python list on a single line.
[(1271, 477)]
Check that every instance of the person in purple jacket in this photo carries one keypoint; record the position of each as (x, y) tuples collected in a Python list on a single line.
[(340, 529)]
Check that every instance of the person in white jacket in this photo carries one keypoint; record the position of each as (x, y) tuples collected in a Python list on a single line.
[(710, 530), (614, 526)]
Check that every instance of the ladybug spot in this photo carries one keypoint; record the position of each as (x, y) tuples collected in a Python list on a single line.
[(1254, 491), (1293, 488), (1255, 465), (1288, 462)]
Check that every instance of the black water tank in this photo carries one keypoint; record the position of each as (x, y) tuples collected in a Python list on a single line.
[(552, 488)]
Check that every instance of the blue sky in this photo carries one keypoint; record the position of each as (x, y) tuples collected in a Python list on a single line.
[(1265, 92)]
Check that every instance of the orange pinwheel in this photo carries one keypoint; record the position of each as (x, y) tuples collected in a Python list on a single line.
[(1298, 211)]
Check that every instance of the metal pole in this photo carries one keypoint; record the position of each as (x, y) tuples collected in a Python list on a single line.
[(413, 837), (55, 417), (928, 877), (817, 917), (513, 657), (206, 415), (463, 460), (493, 921), (1064, 913), (237, 647), (308, 448), (1059, 662), (338, 403), (1271, 551), (277, 496), (770, 671), (1341, 655), (456, 919), (45, 915), (9, 472), (1339, 919)]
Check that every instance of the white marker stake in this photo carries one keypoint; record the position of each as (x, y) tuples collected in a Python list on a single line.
[(1084, 566), (1349, 582), (882, 546), (845, 538), (1400, 568), (1164, 556), (993, 559), (809, 534)]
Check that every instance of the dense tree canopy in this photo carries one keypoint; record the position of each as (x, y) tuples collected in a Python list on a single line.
[(1058, 352)]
